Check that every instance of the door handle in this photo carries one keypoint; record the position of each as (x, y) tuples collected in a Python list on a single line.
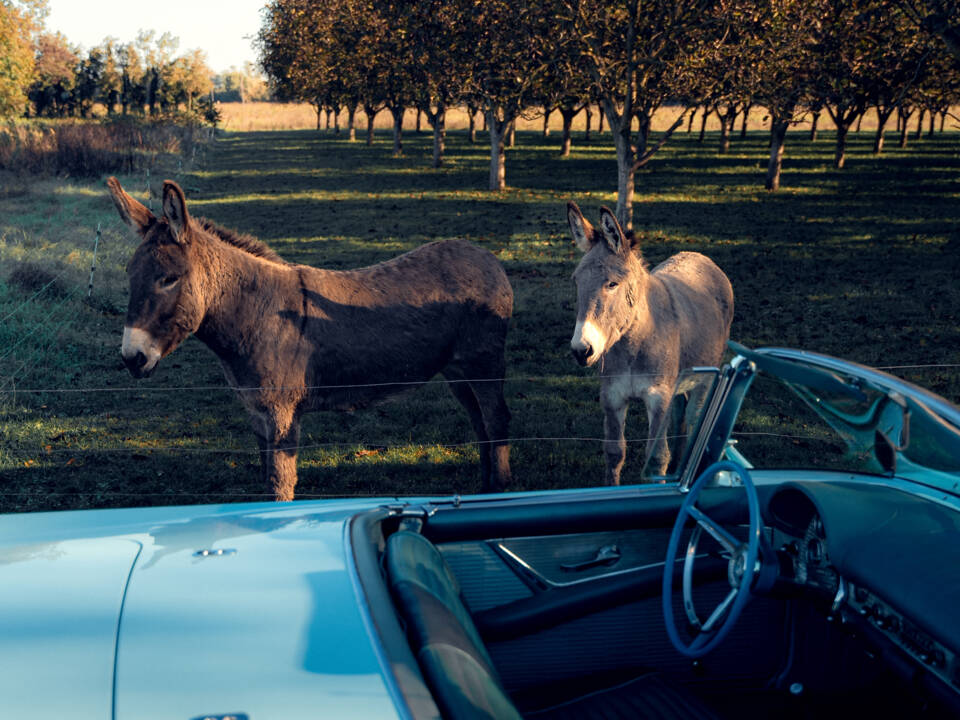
[(607, 555)]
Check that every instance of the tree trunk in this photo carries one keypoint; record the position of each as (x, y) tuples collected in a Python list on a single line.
[(813, 126), (589, 117), (546, 121), (600, 123), (371, 116), (840, 156), (351, 123), (567, 114), (919, 132), (498, 131), (512, 133), (882, 118), (690, 121), (933, 125), (778, 136), (703, 124), (397, 113), (620, 129), (329, 114), (902, 120), (743, 126), (472, 131), (943, 120), (439, 123), (726, 123), (418, 120), (319, 111), (336, 120)]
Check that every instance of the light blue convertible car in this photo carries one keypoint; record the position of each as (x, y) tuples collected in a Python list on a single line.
[(729, 588)]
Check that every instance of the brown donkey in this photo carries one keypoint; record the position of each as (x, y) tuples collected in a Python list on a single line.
[(293, 339), (644, 326)]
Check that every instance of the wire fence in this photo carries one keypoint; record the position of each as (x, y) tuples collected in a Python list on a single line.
[(29, 354)]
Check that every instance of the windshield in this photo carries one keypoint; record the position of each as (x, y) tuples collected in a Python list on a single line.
[(828, 415)]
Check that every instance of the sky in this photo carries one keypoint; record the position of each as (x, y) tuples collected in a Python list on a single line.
[(222, 28)]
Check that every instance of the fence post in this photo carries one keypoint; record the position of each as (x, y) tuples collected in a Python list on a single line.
[(93, 264)]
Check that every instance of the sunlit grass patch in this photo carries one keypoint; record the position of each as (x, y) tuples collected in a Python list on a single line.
[(859, 263)]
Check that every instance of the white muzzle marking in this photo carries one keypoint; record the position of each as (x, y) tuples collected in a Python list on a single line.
[(585, 335), (136, 340)]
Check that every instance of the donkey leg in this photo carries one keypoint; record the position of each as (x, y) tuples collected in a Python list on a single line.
[(614, 441), (282, 477), (657, 401), (278, 455), (496, 420), (464, 395)]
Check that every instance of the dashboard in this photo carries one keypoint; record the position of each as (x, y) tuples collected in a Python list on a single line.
[(884, 559)]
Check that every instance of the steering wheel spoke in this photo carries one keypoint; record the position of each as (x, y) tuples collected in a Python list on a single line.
[(728, 541), (741, 570), (720, 611)]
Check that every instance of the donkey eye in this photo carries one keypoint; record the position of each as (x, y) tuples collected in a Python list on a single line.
[(168, 281), (612, 285)]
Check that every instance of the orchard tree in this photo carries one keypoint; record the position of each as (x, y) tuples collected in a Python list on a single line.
[(441, 64), (638, 58), (566, 88), (897, 64), (292, 53), (848, 47), (510, 56), (777, 56), (938, 17), (939, 90), (391, 44)]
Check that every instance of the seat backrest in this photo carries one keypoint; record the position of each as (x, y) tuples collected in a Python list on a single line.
[(444, 638)]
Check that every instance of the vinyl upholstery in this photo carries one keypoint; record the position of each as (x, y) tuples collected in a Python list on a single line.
[(458, 668)]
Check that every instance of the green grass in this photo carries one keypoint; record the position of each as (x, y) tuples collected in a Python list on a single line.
[(860, 263)]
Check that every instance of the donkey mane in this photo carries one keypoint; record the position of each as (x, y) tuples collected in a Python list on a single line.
[(247, 243)]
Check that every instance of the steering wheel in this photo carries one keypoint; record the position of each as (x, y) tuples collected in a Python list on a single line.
[(742, 567)]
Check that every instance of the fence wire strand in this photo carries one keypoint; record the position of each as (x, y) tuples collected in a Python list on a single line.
[(136, 389)]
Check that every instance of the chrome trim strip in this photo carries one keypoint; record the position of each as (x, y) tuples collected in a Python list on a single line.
[(508, 554), (116, 642), (389, 680)]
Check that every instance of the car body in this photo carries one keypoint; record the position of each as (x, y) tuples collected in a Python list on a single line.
[(289, 610)]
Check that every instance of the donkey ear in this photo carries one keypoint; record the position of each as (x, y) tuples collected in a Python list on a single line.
[(583, 233), (175, 209), (132, 212), (612, 233)]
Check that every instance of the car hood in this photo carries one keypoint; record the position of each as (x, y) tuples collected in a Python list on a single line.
[(243, 610)]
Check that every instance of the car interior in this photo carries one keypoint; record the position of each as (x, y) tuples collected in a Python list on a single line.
[(551, 606)]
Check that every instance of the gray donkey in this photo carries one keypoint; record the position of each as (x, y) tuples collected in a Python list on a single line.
[(643, 327), (294, 339)]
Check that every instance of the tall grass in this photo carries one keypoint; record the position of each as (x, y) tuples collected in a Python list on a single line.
[(92, 149)]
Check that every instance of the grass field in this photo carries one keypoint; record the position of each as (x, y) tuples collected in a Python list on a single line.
[(860, 263)]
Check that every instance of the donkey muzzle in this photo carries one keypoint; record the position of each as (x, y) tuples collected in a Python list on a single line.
[(137, 365), (582, 354), (139, 352)]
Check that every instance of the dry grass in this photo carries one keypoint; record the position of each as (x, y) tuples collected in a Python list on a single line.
[(92, 149), (256, 116)]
